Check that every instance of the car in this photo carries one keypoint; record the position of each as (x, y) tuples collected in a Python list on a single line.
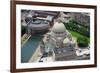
[(40, 61), (81, 52)]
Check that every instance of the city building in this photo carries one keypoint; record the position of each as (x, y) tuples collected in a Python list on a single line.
[(38, 21), (59, 43), (64, 17), (54, 42)]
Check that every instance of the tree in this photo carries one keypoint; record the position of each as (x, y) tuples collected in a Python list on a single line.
[(82, 41), (23, 30)]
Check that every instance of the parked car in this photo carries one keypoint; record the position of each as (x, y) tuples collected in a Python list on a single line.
[(81, 52)]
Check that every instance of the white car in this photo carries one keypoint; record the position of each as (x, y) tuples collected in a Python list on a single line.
[(46, 59), (82, 52)]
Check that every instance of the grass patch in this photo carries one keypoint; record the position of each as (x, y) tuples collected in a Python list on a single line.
[(75, 34)]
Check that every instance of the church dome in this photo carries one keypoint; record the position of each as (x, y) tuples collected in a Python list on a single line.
[(29, 15), (58, 28)]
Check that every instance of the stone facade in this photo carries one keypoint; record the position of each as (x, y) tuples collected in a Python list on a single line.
[(54, 42)]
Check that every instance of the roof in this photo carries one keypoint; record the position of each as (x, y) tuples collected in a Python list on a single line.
[(58, 28), (63, 51)]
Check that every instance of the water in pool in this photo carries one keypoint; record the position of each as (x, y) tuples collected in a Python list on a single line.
[(29, 48)]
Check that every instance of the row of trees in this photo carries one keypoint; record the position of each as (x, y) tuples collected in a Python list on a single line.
[(74, 26)]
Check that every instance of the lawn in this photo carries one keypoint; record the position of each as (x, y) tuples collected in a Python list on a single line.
[(75, 34)]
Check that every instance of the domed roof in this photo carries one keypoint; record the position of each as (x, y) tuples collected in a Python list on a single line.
[(66, 40), (58, 27), (29, 15)]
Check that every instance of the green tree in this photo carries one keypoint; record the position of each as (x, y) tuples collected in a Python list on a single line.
[(82, 41)]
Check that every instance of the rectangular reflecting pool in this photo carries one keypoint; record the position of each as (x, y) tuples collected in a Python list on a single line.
[(30, 47)]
